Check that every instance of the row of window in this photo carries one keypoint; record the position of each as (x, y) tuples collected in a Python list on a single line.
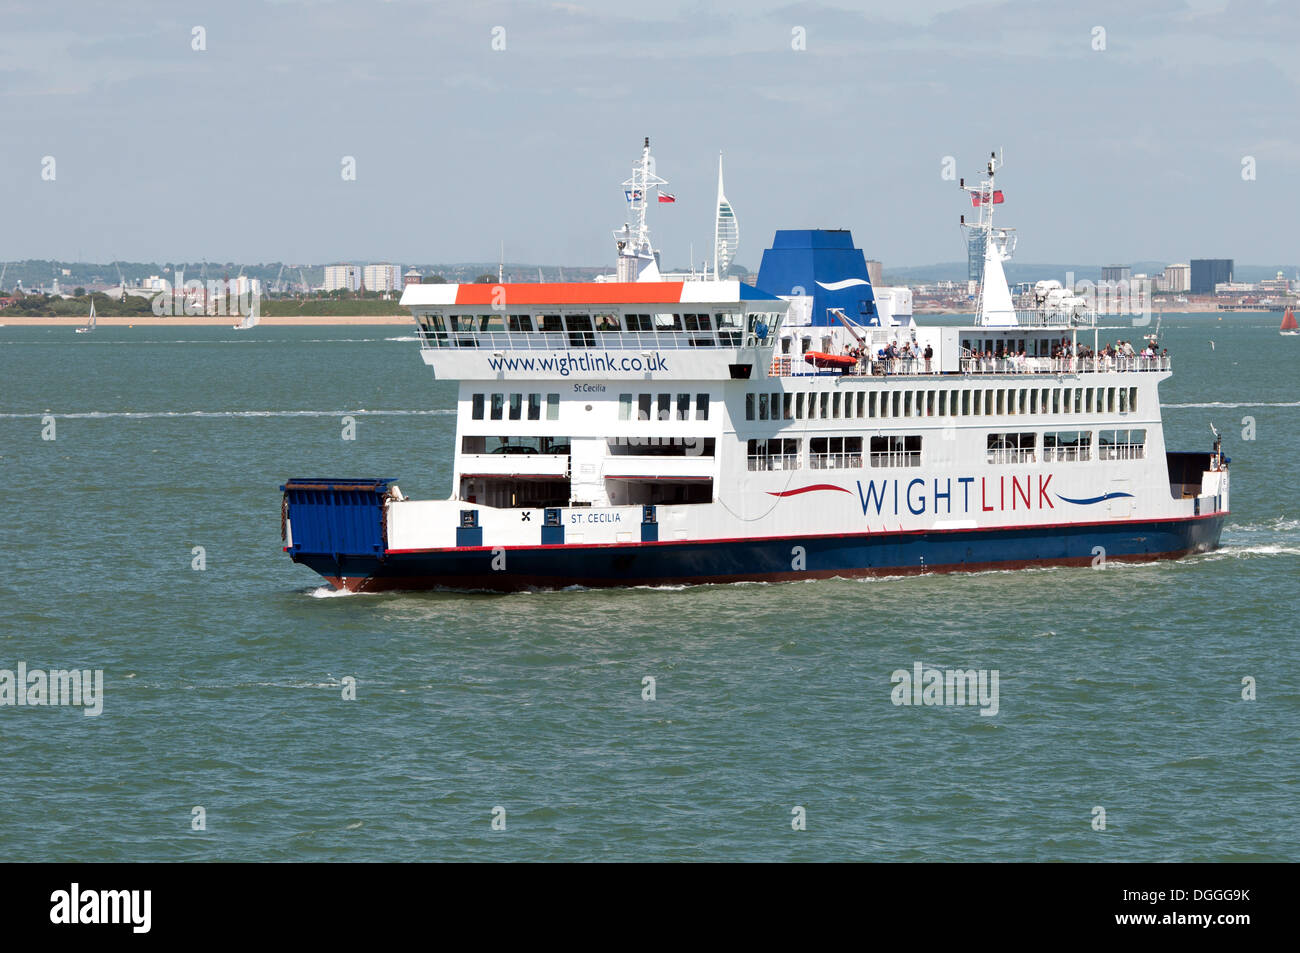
[(514, 406), (904, 450), (558, 446), (1063, 446), (618, 446), (662, 406), (940, 403), (726, 322), (833, 453)]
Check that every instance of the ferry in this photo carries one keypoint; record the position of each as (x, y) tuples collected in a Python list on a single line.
[(665, 430)]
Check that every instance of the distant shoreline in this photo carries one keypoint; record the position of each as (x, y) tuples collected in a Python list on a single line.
[(151, 321)]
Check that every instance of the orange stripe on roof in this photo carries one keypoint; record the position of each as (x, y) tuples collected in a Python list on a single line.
[(571, 293)]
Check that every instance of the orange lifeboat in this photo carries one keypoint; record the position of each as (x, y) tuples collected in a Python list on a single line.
[(838, 361)]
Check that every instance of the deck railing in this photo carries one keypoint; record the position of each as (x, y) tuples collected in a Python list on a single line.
[(786, 365)]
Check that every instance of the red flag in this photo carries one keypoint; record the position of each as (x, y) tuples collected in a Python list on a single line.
[(665, 197), (976, 197)]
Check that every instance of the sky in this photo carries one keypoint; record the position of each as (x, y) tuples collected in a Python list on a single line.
[(1160, 130)]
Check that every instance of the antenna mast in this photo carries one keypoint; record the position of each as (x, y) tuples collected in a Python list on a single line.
[(636, 257)]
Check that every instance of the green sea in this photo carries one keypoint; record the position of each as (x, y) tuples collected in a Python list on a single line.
[(516, 727)]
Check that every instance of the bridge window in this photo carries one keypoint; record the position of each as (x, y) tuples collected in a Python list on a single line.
[(701, 406), (624, 406), (749, 406), (1011, 447), (729, 328), (638, 322), (664, 405), (643, 403), (552, 406), (798, 406), (580, 332), (901, 451), (516, 406), (519, 322), (762, 407), (534, 406), (607, 322), (549, 322), (683, 406), (697, 322), (787, 406), (498, 405), (476, 407), (668, 322)]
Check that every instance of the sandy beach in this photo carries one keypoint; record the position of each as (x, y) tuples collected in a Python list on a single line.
[(389, 320)]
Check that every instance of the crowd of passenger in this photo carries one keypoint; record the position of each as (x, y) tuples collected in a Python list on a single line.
[(1066, 356), (910, 357)]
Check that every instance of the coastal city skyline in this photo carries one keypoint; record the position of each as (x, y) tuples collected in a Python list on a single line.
[(449, 162)]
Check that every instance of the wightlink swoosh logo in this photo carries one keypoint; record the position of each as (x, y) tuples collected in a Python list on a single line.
[(807, 489), (846, 283), (1094, 499)]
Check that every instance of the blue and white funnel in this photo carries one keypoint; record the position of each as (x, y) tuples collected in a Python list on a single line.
[(825, 265)]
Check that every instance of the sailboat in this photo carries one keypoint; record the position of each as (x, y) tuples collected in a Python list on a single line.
[(251, 319), (90, 325), (1289, 326)]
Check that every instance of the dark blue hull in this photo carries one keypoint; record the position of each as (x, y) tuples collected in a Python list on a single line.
[(767, 559)]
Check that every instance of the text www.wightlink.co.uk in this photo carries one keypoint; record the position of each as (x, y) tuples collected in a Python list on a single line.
[(565, 364)]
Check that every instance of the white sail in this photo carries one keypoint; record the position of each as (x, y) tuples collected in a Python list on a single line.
[(251, 319), (726, 232), (92, 314)]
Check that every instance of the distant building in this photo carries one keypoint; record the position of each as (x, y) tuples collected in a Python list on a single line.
[(342, 278), (382, 277), (1235, 287), (875, 272), (1116, 272), (1278, 285), (412, 277), (1208, 272), (1178, 278)]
